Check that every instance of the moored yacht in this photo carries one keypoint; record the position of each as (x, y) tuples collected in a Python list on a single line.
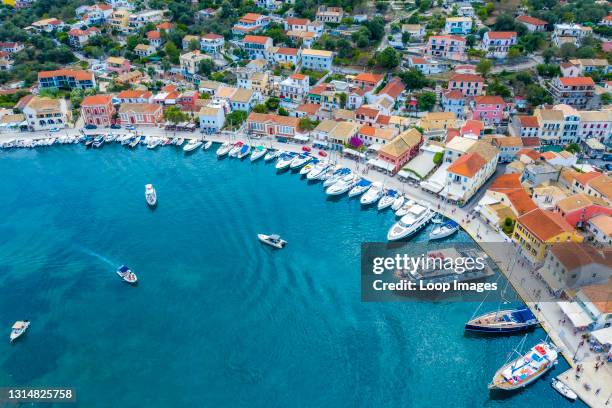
[(235, 149), (179, 141), (272, 154), (153, 142), (417, 217), (300, 160), (273, 240), (343, 185), (398, 202), (373, 194), (317, 169), (134, 142), (207, 145), (387, 199), (361, 187), (224, 149), (443, 230), (403, 210), (192, 145), (18, 329), (150, 195), (284, 160), (127, 275), (308, 167), (258, 153), (336, 175), (244, 151), (503, 321), (526, 368), (98, 141)]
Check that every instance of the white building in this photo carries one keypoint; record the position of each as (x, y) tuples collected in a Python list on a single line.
[(212, 118), (318, 60), (458, 25), (44, 113), (294, 88)]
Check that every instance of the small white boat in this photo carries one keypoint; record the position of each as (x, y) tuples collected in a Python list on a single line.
[(258, 153), (387, 199), (398, 202), (308, 167), (361, 187), (127, 275), (150, 195), (373, 194), (563, 389), (244, 151), (224, 149), (284, 161), (316, 171), (179, 141), (9, 143), (110, 138), (272, 154), (207, 145), (235, 149), (192, 145), (444, 230), (336, 175), (409, 224), (153, 142), (403, 210), (18, 329), (272, 240), (343, 185), (300, 160)]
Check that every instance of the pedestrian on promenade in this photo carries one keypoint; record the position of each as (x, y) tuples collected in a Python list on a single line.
[(597, 391)]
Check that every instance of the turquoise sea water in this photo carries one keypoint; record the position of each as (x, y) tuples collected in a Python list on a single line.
[(217, 319)]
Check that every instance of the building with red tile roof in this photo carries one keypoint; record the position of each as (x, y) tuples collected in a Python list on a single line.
[(533, 24), (97, 110), (66, 78)]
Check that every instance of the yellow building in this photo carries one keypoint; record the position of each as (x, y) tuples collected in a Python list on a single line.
[(119, 20), (259, 82), (536, 230), (438, 121), (10, 3)]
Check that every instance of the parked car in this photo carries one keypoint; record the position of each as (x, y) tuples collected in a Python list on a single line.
[(90, 126), (54, 130), (115, 126), (130, 127)]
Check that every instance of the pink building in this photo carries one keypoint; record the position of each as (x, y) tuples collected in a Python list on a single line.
[(187, 100), (98, 110), (467, 84), (580, 208), (141, 113), (119, 65), (400, 150), (488, 109), (450, 47)]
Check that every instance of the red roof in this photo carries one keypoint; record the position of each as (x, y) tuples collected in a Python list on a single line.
[(531, 20), (467, 165), (500, 35), (489, 100), (576, 81), (255, 39), (521, 201), (77, 74), (448, 37), (418, 60), (466, 78), (309, 108), (472, 126), (211, 36), (287, 51), (97, 100), (296, 21), (134, 93), (370, 112), (153, 35), (369, 77), (504, 182), (528, 121), (453, 94), (298, 77), (394, 88), (531, 141), (166, 25)]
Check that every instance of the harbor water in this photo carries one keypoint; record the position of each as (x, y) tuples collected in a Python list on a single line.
[(218, 319)]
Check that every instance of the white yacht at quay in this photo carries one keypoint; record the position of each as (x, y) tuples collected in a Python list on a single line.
[(343, 185), (316, 171), (192, 145), (300, 160), (373, 194), (418, 216), (387, 199), (272, 154), (403, 210), (362, 186), (257, 153), (284, 160), (398, 202), (224, 149), (336, 175), (153, 142)]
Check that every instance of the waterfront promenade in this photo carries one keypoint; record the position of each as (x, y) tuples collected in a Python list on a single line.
[(518, 272)]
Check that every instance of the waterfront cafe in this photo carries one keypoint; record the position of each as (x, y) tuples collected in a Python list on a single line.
[(579, 318)]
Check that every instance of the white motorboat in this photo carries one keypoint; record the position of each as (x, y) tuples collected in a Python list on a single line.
[(284, 160), (272, 154), (207, 145), (374, 193), (300, 160), (336, 175), (8, 144), (124, 139), (244, 151), (258, 153), (179, 141), (127, 275), (387, 199), (150, 195), (343, 185), (403, 210), (308, 167), (418, 216), (192, 145), (398, 202), (18, 329), (443, 230), (316, 171), (224, 149), (153, 142), (361, 187), (110, 138), (235, 149), (272, 240), (563, 389)]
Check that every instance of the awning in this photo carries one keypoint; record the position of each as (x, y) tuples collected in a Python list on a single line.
[(577, 316), (603, 336), (408, 175), (375, 147), (303, 138), (381, 164), (353, 153), (431, 186)]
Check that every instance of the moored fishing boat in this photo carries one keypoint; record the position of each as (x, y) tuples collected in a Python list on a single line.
[(192, 145), (373, 194), (127, 275), (343, 185), (150, 195), (134, 142), (224, 149), (503, 321), (443, 230), (387, 199), (179, 141), (18, 329), (88, 141), (361, 187), (417, 217), (109, 138), (300, 160), (405, 208), (525, 369), (258, 153), (284, 160)]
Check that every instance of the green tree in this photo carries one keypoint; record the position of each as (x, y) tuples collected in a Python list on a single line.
[(235, 119), (283, 112), (426, 101), (514, 52), (272, 103), (76, 97), (484, 66), (175, 115), (508, 226), (172, 52), (388, 58), (414, 79), (573, 148), (437, 159), (260, 108), (536, 95), (606, 98), (308, 124), (206, 67)]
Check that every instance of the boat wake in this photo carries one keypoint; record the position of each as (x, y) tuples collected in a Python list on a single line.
[(98, 256)]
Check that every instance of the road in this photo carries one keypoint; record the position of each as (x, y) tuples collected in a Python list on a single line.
[(533, 61)]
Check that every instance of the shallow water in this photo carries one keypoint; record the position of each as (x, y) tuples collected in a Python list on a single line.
[(217, 319)]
